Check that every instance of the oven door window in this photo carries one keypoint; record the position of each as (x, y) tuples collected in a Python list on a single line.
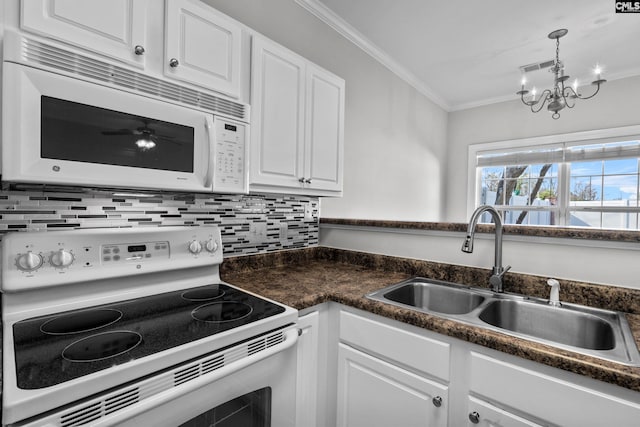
[(250, 410), (84, 133)]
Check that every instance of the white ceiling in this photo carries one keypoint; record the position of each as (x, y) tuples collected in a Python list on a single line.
[(465, 53)]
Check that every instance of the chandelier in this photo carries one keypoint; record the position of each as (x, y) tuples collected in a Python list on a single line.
[(560, 96)]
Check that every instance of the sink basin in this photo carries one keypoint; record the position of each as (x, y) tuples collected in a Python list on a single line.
[(431, 296), (558, 324), (595, 332), (434, 297)]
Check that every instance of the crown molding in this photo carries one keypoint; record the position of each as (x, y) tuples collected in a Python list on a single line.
[(330, 18)]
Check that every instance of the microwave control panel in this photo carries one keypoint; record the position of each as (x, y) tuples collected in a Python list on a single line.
[(230, 157)]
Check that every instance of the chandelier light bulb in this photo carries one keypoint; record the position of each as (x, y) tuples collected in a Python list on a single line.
[(575, 85), (597, 70)]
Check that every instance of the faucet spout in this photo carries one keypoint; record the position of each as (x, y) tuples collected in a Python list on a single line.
[(467, 246)]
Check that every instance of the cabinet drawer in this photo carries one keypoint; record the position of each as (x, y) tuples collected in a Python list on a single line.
[(415, 351), (557, 401)]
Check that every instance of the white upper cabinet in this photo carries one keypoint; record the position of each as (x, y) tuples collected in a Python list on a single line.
[(277, 108), (115, 28), (202, 46), (297, 138), (324, 129)]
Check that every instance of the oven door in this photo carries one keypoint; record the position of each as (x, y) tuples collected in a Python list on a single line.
[(260, 395), (61, 130), (249, 384)]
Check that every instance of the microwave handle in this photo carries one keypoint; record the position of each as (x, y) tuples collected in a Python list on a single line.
[(208, 181)]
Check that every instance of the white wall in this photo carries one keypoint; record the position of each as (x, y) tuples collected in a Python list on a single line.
[(617, 105), (395, 138)]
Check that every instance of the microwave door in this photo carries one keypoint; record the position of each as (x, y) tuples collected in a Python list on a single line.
[(73, 132)]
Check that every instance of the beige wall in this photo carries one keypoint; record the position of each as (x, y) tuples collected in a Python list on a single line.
[(617, 105), (395, 138)]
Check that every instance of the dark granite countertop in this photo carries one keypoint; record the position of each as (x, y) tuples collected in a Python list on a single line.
[(514, 230), (307, 277)]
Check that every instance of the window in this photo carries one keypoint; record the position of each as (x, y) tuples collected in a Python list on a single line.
[(586, 183)]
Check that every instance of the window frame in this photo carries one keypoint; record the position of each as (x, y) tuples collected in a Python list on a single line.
[(585, 137)]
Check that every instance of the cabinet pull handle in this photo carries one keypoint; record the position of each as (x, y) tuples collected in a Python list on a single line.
[(437, 401), (308, 180), (301, 180), (138, 50), (173, 63), (474, 417)]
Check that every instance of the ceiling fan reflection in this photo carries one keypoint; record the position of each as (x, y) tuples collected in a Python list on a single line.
[(146, 139)]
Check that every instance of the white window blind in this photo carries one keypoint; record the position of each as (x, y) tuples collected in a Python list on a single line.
[(603, 149), (599, 149)]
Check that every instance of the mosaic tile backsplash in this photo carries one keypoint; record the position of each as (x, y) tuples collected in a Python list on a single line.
[(249, 224)]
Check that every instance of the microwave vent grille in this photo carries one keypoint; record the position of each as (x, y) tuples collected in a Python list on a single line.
[(74, 63)]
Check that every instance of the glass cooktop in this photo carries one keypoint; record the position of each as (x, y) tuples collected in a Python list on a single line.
[(53, 349)]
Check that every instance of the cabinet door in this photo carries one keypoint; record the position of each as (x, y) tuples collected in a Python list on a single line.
[(483, 414), (324, 130), (556, 400), (202, 46), (307, 379), (374, 393), (277, 110), (113, 28)]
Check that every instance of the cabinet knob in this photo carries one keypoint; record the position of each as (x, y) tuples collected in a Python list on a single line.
[(138, 50), (474, 417), (301, 180), (308, 180), (173, 62), (437, 401)]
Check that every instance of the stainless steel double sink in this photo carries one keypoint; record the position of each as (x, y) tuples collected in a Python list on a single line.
[(595, 332)]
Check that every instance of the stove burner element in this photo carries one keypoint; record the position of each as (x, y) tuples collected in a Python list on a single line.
[(224, 311), (203, 294), (101, 346), (83, 321)]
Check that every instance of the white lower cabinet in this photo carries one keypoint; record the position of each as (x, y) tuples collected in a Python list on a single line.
[(549, 398), (389, 377), (307, 378), (375, 393), (393, 374)]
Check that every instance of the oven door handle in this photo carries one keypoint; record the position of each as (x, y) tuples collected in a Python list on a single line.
[(290, 339)]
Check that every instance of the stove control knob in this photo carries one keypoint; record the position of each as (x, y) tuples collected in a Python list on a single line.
[(211, 245), (29, 261), (195, 247), (61, 259)]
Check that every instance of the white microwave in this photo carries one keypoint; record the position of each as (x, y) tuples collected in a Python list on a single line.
[(62, 130)]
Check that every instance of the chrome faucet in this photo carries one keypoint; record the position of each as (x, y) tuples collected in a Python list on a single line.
[(498, 272)]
